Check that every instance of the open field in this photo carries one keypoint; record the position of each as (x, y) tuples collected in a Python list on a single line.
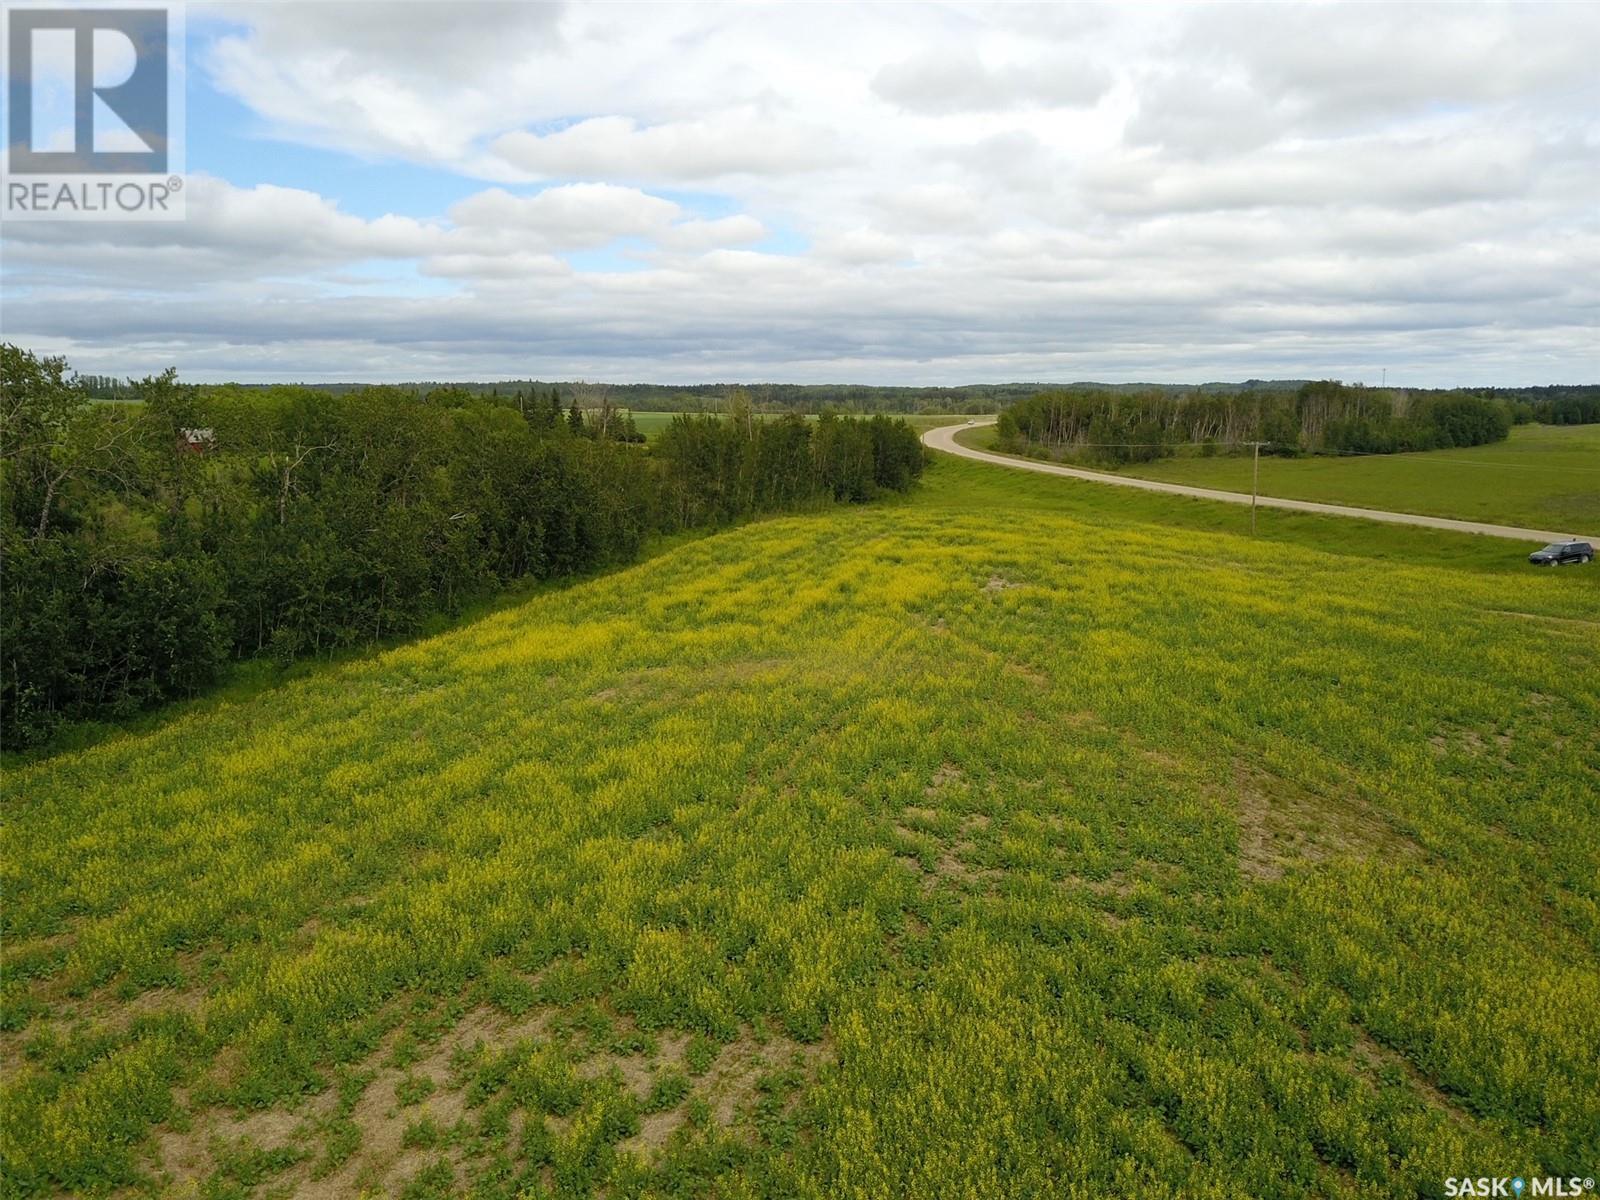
[(1544, 476), (1017, 838), (652, 423), (921, 421)]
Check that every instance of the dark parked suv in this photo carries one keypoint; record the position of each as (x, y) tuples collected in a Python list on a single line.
[(1557, 553)]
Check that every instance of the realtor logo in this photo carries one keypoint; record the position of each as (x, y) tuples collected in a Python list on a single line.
[(119, 90), (93, 112)]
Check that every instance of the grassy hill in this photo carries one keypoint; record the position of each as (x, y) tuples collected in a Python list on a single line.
[(1544, 476), (1019, 838)]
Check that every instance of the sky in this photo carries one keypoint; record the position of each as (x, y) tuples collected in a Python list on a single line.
[(891, 194)]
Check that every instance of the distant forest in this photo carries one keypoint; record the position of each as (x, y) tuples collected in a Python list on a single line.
[(1315, 418), (144, 545), (1562, 404)]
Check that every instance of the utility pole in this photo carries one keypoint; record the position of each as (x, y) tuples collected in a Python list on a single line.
[(1255, 482)]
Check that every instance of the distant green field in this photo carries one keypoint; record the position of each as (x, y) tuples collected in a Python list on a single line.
[(1546, 476), (652, 423), (932, 420)]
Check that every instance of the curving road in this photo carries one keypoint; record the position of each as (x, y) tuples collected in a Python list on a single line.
[(943, 437)]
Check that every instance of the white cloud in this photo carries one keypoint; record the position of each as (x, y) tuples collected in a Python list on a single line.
[(492, 268), (267, 231), (1340, 64), (862, 246), (575, 216), (705, 235), (737, 143), (230, 233), (956, 79), (928, 193), (1404, 174), (933, 207)]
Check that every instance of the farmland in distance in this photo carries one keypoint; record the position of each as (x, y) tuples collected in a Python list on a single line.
[(1543, 477), (652, 423)]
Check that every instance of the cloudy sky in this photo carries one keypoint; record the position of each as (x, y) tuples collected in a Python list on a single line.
[(943, 193)]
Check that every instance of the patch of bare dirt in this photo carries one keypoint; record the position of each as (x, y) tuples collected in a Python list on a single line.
[(1374, 1057), (637, 1071), (1032, 675), (947, 774), (921, 825), (381, 1161), (1473, 744), (950, 868), (1282, 824), (1118, 885), (1169, 763), (185, 1156), (671, 1047), (732, 1085), (747, 668), (1528, 616), (655, 1129), (102, 1011), (998, 583)]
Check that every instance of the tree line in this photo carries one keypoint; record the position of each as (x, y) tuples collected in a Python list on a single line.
[(1316, 417), (1561, 404), (764, 397), (145, 545), (1555, 404)]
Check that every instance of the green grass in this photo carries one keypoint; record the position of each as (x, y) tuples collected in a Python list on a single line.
[(1544, 476), (933, 420), (652, 423), (1019, 837)]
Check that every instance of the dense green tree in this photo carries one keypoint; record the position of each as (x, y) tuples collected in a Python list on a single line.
[(138, 559), (844, 458), (1120, 426)]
